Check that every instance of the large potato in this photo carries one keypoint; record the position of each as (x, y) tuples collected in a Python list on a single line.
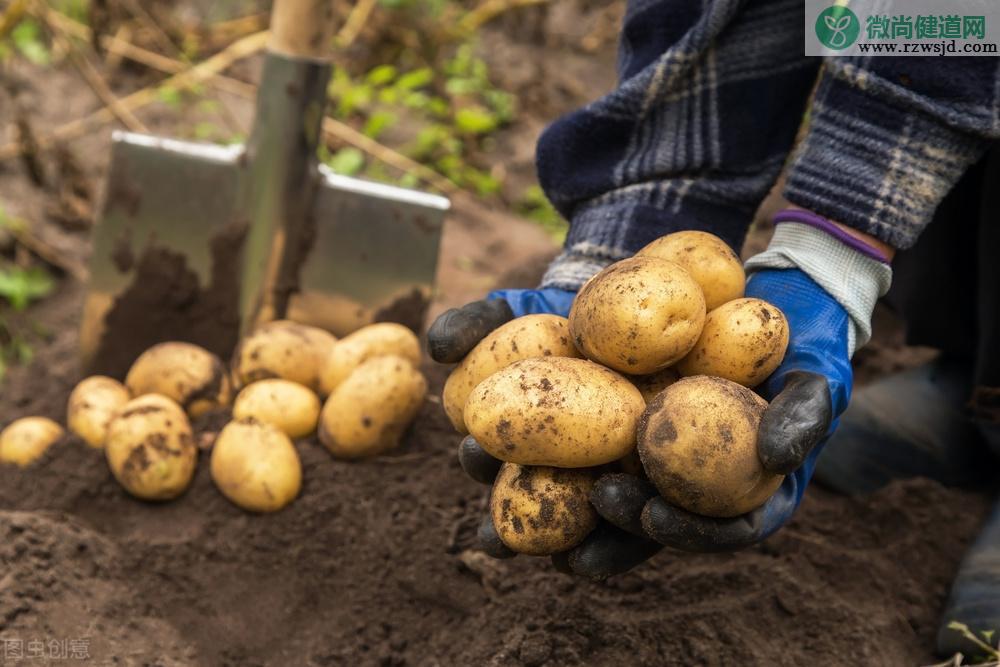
[(521, 338), (541, 510), (698, 444), (369, 411), (638, 316), (286, 405), (743, 341), (26, 439), (712, 263), (150, 448), (92, 404), (190, 375), (555, 411), (283, 349), (375, 340), (256, 466), (651, 385)]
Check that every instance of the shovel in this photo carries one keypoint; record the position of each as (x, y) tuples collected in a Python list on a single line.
[(202, 242)]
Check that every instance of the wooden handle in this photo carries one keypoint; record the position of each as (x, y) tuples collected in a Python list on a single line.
[(302, 28)]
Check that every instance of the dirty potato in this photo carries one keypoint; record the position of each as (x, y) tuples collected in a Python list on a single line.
[(539, 510), (283, 349), (150, 448), (374, 340), (709, 260), (698, 444), (286, 405), (521, 338), (368, 412), (651, 385), (256, 466), (190, 375), (555, 411), (638, 316), (26, 439), (92, 404), (743, 341)]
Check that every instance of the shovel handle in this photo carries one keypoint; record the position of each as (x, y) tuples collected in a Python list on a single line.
[(302, 28)]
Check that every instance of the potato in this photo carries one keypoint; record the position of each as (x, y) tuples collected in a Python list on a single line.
[(288, 406), (521, 338), (26, 439), (712, 263), (92, 404), (256, 466), (190, 375), (651, 385), (540, 510), (638, 316), (698, 444), (375, 340), (150, 448), (283, 349), (743, 341), (369, 411), (555, 411)]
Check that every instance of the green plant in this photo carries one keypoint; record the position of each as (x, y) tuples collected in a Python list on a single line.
[(990, 656), (26, 39), (535, 206)]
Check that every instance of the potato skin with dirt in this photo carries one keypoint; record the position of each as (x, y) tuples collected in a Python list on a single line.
[(282, 349), (368, 412), (555, 411), (638, 316), (24, 440), (539, 510), (698, 445), (651, 385), (709, 260), (743, 341), (288, 406), (256, 466), (522, 338), (374, 340), (186, 373), (91, 406), (150, 448)]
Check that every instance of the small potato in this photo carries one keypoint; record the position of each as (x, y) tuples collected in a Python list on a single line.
[(288, 406), (368, 412), (651, 385), (283, 349), (743, 341), (26, 439), (709, 260), (150, 448), (256, 466), (91, 406), (190, 375), (554, 411), (698, 444), (638, 316), (540, 510), (374, 340)]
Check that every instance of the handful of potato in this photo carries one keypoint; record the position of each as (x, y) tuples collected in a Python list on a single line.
[(657, 358)]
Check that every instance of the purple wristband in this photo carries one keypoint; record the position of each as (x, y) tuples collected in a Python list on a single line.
[(809, 218)]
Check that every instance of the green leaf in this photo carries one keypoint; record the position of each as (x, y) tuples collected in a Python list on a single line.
[(377, 123), (22, 286), (381, 75), (170, 96), (418, 78), (26, 36), (475, 120), (347, 161)]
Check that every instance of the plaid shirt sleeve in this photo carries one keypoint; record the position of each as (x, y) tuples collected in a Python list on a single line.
[(710, 97)]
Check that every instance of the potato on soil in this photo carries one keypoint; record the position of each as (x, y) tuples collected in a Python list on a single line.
[(288, 406), (743, 341), (150, 448), (374, 340), (555, 411), (521, 338), (368, 412), (540, 510), (186, 373), (638, 316), (698, 444), (709, 260), (92, 404), (283, 349), (256, 466), (26, 439)]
